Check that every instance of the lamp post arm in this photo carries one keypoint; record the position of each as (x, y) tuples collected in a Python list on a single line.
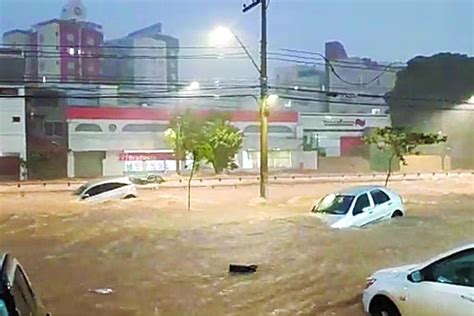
[(254, 63)]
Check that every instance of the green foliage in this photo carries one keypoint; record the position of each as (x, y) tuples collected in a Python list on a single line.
[(212, 139), (397, 143), (224, 141), (430, 82)]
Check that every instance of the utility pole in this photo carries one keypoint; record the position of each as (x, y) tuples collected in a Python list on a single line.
[(264, 111)]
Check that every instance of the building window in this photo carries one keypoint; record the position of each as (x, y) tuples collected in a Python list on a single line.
[(90, 68), (70, 37), (42, 66), (16, 119), (145, 128), (53, 128), (8, 91), (271, 129), (57, 34), (41, 38), (90, 41), (71, 67), (88, 127)]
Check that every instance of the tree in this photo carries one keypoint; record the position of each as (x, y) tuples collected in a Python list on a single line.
[(428, 83), (224, 140), (191, 142), (398, 143)]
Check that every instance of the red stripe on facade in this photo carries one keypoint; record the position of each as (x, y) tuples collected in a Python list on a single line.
[(123, 113)]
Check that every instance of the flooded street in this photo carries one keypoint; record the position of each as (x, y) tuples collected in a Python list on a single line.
[(160, 259)]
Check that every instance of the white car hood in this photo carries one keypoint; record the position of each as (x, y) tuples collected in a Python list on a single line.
[(329, 219), (396, 271)]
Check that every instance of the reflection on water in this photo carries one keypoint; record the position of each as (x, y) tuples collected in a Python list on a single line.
[(174, 263)]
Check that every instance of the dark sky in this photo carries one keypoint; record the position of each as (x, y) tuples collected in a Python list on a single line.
[(385, 30)]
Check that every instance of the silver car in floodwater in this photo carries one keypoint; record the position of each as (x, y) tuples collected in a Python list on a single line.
[(359, 206), (107, 189)]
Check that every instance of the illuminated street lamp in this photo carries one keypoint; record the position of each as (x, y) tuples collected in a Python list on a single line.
[(222, 36)]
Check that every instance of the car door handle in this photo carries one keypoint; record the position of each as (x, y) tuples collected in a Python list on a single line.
[(469, 298)]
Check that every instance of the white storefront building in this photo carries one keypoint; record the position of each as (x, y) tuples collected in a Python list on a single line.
[(112, 141)]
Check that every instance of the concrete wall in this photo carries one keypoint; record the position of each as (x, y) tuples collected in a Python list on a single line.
[(426, 163), (343, 164), (304, 160), (108, 140), (112, 165)]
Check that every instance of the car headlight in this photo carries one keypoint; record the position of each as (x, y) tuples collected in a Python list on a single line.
[(369, 282)]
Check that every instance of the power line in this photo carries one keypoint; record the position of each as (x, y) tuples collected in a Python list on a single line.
[(216, 97), (331, 67), (117, 46), (369, 95), (313, 61), (344, 61)]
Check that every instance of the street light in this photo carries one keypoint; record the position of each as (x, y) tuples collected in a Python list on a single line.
[(222, 36)]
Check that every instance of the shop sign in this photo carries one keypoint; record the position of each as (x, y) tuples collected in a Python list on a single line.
[(344, 122), (145, 156)]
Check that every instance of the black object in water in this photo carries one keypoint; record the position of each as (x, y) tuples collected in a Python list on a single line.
[(238, 268)]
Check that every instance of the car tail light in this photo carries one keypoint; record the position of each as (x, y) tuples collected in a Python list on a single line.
[(369, 282)]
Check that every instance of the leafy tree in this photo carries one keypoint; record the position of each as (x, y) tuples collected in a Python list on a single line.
[(427, 83), (186, 137), (398, 143), (224, 140)]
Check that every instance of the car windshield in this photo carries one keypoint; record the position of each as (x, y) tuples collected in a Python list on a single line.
[(334, 204), (81, 189)]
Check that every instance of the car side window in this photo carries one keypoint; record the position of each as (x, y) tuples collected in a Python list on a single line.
[(457, 269), (361, 203), (104, 188), (379, 197), (98, 189), (113, 186)]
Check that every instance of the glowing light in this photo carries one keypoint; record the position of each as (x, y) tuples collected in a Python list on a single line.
[(193, 86), (221, 36), (272, 99)]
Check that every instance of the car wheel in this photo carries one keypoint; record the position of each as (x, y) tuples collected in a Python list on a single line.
[(397, 213), (130, 196), (382, 306)]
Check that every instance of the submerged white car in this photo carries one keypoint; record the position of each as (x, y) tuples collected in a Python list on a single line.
[(441, 286), (359, 206), (102, 190)]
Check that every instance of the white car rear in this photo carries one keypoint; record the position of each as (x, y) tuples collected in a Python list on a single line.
[(103, 190), (439, 287), (359, 206)]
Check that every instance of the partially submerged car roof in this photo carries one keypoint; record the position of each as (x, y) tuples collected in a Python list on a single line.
[(356, 190)]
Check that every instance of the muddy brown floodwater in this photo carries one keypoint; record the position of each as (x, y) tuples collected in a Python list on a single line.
[(160, 259)]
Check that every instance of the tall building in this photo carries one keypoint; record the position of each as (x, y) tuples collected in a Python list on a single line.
[(143, 60), (355, 75), (291, 79), (64, 49)]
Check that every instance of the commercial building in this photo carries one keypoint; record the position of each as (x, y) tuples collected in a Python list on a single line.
[(106, 141), (338, 134)]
